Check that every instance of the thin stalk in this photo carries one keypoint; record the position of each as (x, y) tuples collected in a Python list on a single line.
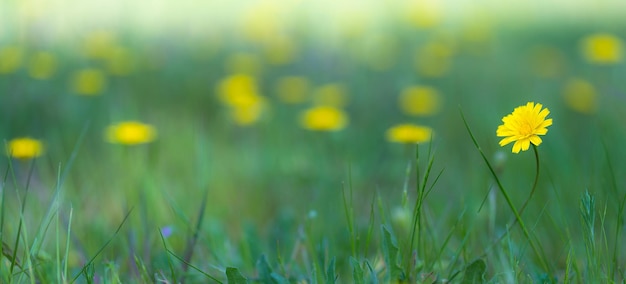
[(509, 202)]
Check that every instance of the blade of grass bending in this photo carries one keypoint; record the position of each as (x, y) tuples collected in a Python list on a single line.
[(192, 266), (506, 195), (61, 176), (348, 209), (194, 239), (14, 259), (620, 212), (6, 176), (169, 261), (82, 270), (67, 244)]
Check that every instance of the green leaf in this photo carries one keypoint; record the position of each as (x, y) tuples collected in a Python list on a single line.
[(278, 279), (357, 272), (390, 253), (330, 272), (234, 276), (475, 272)]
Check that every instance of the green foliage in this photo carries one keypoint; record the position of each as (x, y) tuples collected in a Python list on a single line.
[(475, 272), (235, 277)]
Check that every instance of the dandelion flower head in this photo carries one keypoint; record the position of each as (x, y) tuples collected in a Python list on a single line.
[(523, 126), (24, 148), (130, 133), (324, 118), (420, 101), (602, 49), (409, 133)]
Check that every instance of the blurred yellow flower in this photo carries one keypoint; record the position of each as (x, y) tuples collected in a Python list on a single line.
[(237, 89), (602, 48), (423, 14), (324, 118), (409, 133), (25, 148), (434, 59), (42, 65), (248, 112), (581, 96), (130, 133), (547, 61), (89, 82), (333, 95), (244, 63), (99, 44), (292, 89), (120, 61), (10, 59), (420, 101), (523, 126)]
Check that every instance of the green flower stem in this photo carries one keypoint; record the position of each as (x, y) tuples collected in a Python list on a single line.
[(507, 198)]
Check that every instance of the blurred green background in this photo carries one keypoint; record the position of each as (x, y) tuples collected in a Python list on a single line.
[(220, 91)]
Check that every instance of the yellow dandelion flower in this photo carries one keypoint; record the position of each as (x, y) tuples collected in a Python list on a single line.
[(10, 59), (420, 101), (89, 82), (99, 44), (25, 148), (581, 96), (523, 126), (250, 113), (237, 89), (324, 118), (333, 95), (409, 133), (130, 133), (423, 14), (292, 89), (42, 65), (602, 48)]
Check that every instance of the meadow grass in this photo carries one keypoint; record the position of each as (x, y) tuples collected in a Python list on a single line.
[(213, 187)]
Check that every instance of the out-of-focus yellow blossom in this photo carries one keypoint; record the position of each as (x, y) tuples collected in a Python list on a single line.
[(420, 101), (334, 95), (245, 63), (10, 59), (120, 61), (423, 14), (292, 89), (547, 61), (25, 148), (89, 82), (260, 22), (409, 133), (602, 48), (324, 118), (434, 59), (130, 133), (42, 65), (236, 90), (581, 96), (99, 44), (280, 50), (248, 110)]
